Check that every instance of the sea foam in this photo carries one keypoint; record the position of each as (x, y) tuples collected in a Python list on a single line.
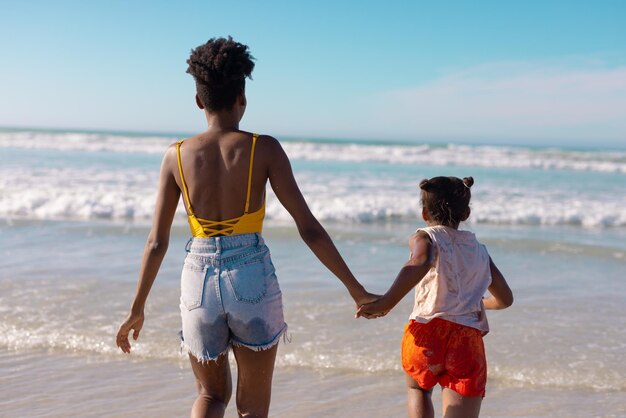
[(129, 195), (361, 185), (425, 154)]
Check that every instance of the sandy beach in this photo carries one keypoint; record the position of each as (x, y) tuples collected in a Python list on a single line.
[(70, 385)]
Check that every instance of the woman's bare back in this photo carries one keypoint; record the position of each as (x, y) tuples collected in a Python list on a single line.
[(216, 168)]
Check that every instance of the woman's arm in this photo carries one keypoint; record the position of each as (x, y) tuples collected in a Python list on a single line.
[(501, 294), (312, 232), (155, 249), (409, 276)]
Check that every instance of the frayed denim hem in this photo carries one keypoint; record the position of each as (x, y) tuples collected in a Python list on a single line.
[(267, 346), (205, 358), (201, 358)]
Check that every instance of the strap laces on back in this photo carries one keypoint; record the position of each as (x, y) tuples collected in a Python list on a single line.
[(209, 226)]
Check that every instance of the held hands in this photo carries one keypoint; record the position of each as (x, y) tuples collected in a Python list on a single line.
[(134, 321), (364, 297), (369, 305), (372, 310)]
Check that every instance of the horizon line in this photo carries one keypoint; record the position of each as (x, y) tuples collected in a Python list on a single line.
[(536, 143)]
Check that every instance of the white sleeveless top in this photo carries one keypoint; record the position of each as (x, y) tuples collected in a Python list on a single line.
[(454, 287)]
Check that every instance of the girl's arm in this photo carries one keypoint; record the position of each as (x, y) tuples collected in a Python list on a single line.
[(501, 295), (409, 276), (155, 249), (312, 232)]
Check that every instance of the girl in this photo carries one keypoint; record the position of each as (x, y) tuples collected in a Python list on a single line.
[(450, 271), (230, 298)]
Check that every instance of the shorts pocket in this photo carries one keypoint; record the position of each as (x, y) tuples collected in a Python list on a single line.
[(192, 284), (248, 281)]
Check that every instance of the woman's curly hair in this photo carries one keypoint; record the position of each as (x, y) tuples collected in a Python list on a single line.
[(446, 199), (220, 68)]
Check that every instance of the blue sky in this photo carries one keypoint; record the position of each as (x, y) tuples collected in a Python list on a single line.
[(531, 72)]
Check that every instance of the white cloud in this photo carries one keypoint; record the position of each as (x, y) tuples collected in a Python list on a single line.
[(509, 101)]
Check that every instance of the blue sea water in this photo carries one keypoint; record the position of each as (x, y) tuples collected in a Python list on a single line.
[(75, 208)]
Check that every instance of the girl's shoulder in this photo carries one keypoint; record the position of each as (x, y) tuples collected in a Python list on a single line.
[(443, 233), (429, 233), (421, 246), (420, 234), (420, 238)]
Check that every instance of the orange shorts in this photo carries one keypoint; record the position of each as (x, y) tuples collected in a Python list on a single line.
[(447, 353)]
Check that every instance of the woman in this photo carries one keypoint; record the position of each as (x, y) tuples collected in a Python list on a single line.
[(230, 298)]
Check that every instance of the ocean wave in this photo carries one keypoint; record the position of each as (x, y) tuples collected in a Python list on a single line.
[(462, 155), (129, 206), (567, 377), (305, 356), (88, 142), (422, 154), (71, 319), (122, 189), (129, 195)]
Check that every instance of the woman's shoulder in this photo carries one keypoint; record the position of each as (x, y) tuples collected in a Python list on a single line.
[(269, 147), (171, 151), (267, 140), (179, 142)]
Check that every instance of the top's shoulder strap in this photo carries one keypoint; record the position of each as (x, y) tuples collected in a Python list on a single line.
[(254, 138), (182, 178)]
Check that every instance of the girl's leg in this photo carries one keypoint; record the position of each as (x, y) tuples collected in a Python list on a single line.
[(214, 387), (254, 380), (419, 400), (459, 406)]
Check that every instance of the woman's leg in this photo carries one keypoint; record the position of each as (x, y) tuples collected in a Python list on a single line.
[(254, 380), (459, 406), (214, 387), (420, 403)]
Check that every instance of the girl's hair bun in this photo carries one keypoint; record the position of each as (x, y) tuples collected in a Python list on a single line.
[(446, 199), (468, 181), (426, 185)]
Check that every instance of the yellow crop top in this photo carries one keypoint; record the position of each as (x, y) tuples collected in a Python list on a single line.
[(205, 228)]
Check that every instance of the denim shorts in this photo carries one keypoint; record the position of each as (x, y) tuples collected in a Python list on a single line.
[(229, 296)]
